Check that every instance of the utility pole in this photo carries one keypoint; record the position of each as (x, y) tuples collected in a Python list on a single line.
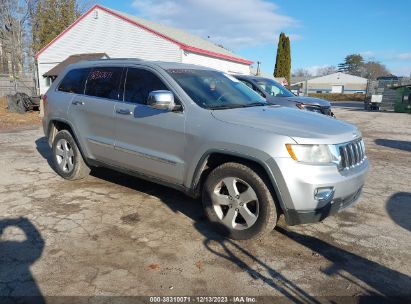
[(258, 73)]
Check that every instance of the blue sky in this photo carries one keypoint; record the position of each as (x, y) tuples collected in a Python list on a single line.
[(322, 32)]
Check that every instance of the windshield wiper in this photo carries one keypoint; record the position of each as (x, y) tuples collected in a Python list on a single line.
[(255, 104), (223, 107), (234, 106)]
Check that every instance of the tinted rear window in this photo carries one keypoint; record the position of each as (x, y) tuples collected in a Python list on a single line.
[(74, 81), (104, 82)]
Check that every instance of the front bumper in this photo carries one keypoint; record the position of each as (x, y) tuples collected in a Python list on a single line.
[(296, 217), (297, 184)]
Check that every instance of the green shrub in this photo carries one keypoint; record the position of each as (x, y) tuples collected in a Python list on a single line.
[(339, 97)]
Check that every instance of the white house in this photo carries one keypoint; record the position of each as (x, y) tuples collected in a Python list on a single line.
[(120, 35), (333, 83)]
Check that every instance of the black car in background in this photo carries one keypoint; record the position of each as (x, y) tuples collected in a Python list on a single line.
[(275, 93)]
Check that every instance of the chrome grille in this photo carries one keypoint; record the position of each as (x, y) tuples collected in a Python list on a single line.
[(352, 154)]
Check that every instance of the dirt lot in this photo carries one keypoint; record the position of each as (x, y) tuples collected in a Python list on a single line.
[(112, 234)]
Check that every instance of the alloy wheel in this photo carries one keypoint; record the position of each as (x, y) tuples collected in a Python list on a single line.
[(64, 155), (235, 203)]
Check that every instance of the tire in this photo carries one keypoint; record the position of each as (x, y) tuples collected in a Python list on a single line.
[(67, 159), (225, 207)]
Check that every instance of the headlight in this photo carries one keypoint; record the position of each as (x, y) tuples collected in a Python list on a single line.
[(314, 154), (309, 108)]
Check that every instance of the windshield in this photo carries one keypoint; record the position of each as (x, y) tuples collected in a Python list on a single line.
[(273, 88), (215, 90)]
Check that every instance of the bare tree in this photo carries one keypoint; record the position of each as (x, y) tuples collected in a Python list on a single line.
[(374, 69), (301, 73), (14, 16), (327, 70)]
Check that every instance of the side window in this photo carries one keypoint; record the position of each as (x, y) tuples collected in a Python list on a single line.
[(275, 91), (139, 84), (104, 82), (74, 81)]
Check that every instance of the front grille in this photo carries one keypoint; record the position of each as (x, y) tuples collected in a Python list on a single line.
[(352, 154)]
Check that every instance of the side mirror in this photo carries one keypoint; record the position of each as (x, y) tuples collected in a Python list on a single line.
[(162, 100)]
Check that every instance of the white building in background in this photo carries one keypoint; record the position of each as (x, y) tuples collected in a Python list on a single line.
[(333, 83), (120, 35)]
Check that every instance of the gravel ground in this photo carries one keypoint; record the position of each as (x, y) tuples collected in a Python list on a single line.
[(112, 234)]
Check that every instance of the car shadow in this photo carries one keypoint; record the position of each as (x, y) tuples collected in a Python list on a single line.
[(399, 209), (395, 144), (174, 199), (17, 284), (44, 150), (381, 279)]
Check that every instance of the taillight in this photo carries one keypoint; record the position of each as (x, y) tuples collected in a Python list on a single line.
[(44, 99)]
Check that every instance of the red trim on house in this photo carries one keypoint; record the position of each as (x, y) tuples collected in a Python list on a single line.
[(181, 45), (212, 54)]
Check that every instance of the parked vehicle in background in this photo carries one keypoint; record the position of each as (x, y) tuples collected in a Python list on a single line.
[(205, 133), (275, 93)]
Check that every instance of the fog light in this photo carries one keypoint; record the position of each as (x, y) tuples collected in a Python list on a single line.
[(324, 194)]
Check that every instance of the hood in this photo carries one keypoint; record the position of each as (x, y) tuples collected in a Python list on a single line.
[(299, 99), (303, 126)]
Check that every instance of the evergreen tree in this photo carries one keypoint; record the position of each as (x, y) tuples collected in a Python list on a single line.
[(288, 60), (353, 64), (283, 58)]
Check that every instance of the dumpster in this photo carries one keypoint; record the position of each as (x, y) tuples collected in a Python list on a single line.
[(403, 100)]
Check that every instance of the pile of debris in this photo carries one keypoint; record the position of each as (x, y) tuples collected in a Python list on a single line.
[(21, 103)]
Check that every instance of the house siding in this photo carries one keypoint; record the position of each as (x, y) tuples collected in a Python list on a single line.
[(215, 63), (349, 88)]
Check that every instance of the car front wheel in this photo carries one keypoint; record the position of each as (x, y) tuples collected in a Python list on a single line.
[(238, 202)]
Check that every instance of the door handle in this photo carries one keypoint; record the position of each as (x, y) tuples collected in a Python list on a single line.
[(78, 103), (124, 112)]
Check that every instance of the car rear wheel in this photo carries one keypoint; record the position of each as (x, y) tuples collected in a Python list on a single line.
[(68, 161), (238, 202)]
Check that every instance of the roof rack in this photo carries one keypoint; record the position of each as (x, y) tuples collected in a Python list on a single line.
[(105, 59)]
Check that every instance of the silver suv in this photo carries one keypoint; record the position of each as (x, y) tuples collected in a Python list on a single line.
[(207, 134)]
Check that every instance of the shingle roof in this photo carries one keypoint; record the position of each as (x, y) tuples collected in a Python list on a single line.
[(55, 71), (185, 40)]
